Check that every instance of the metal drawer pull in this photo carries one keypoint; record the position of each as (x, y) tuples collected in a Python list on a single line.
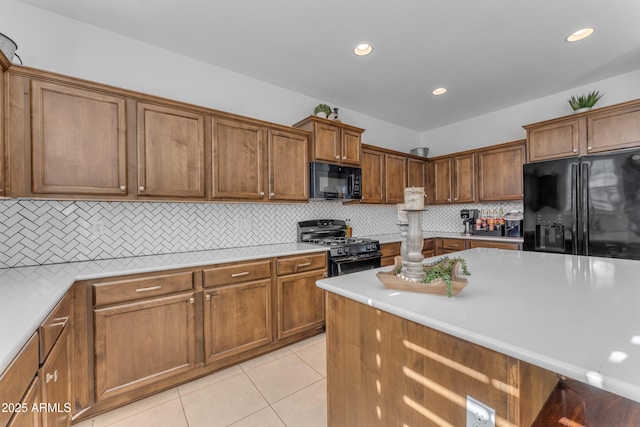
[(192, 300), (122, 188), (53, 376), (304, 264), (208, 297), (150, 288), (244, 273)]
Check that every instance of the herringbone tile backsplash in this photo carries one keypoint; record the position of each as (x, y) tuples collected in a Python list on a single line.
[(36, 232)]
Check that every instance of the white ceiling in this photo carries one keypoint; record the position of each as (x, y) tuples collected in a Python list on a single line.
[(490, 54)]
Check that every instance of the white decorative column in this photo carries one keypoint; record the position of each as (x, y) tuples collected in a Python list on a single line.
[(403, 223), (412, 264)]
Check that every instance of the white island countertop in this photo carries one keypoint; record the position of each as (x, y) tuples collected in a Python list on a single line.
[(28, 294), (573, 315)]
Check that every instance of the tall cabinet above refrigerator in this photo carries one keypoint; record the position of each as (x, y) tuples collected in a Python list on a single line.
[(584, 205)]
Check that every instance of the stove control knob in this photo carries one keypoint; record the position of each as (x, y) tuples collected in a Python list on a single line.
[(346, 251), (339, 251)]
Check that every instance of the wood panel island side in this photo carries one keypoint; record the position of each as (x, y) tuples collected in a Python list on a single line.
[(527, 327)]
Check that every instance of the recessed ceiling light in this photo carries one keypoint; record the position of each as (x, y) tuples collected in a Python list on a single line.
[(439, 91), (580, 34), (363, 49)]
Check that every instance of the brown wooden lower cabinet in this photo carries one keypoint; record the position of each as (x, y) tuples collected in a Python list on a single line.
[(55, 377), (142, 342), (28, 417), (389, 252), (383, 370), (237, 318), (428, 248), (447, 246), (493, 244), (300, 301)]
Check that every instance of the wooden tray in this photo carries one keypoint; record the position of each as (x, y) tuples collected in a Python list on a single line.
[(390, 280)]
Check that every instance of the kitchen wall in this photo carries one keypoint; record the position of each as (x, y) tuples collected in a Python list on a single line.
[(55, 43), (506, 125), (34, 232)]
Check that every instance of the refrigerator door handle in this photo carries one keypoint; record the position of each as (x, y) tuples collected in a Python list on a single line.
[(584, 211), (575, 194)]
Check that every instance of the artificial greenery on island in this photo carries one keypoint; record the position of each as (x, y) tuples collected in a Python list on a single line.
[(585, 101), (442, 269)]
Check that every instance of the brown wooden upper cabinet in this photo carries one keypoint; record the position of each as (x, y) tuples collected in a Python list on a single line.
[(373, 176), (395, 178), (251, 162), (332, 141), (602, 129), (500, 172), (452, 179), (78, 139), (386, 173), (4, 64), (171, 159)]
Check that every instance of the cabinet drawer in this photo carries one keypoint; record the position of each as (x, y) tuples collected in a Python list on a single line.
[(15, 380), (493, 244), (51, 328), (428, 245), (298, 264), (390, 249), (453, 244), (142, 287), (226, 274)]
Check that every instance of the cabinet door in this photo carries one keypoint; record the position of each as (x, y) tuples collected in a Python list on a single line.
[(237, 318), (288, 166), (372, 176), (78, 141), (170, 152), (464, 178), (300, 303), (613, 130), (500, 173), (439, 180), (127, 335), (416, 176), (395, 178), (555, 140), (29, 418), (238, 159), (327, 143), (55, 375), (493, 244), (351, 143), (3, 191)]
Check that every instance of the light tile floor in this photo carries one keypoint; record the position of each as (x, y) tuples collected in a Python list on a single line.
[(287, 387)]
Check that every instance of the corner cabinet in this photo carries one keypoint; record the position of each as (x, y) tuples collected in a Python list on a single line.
[(332, 141), (599, 130), (171, 158)]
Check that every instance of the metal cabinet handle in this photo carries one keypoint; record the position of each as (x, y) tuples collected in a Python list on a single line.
[(272, 194), (589, 148), (141, 188), (244, 273), (49, 377), (208, 297), (344, 157), (262, 193), (122, 188), (304, 264), (575, 150), (150, 288), (192, 300), (455, 198), (338, 156)]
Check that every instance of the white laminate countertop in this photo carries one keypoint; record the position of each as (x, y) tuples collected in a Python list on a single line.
[(28, 294), (392, 238), (574, 315)]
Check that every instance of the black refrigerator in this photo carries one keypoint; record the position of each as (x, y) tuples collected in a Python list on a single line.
[(584, 205)]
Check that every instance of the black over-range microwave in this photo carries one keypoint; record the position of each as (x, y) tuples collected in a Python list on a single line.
[(329, 181)]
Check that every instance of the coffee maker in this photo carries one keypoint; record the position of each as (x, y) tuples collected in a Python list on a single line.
[(469, 217)]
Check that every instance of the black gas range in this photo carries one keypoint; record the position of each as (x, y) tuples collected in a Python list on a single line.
[(346, 254)]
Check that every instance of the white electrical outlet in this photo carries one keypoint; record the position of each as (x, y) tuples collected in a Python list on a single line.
[(97, 228), (479, 414)]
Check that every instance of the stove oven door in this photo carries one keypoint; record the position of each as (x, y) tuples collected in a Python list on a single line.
[(340, 266)]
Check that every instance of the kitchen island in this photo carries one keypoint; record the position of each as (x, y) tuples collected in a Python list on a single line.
[(523, 319)]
